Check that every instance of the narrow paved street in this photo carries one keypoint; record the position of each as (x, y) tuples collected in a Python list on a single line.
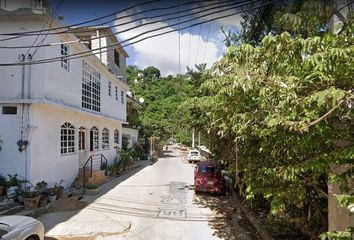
[(157, 202)]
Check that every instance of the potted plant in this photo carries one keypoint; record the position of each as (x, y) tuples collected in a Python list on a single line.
[(2, 184), (19, 194), (52, 195), (41, 188), (91, 189), (59, 189), (12, 184), (31, 199)]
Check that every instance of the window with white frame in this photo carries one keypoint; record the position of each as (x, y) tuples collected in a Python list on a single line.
[(122, 96), (82, 138), (105, 139), (116, 136), (116, 91), (67, 138), (91, 88), (94, 141), (64, 50), (109, 88)]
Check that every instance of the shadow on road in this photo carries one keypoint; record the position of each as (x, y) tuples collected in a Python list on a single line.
[(66, 208), (229, 221)]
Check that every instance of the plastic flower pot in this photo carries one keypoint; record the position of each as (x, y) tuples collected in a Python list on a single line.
[(31, 203)]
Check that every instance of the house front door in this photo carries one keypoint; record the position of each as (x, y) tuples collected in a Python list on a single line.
[(83, 152)]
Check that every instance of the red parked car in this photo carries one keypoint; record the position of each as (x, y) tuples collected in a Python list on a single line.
[(208, 178)]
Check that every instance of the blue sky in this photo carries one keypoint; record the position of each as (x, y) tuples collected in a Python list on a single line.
[(162, 52)]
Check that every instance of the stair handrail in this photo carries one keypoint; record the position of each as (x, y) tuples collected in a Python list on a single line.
[(89, 160)]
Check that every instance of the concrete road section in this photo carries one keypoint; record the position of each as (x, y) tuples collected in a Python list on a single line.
[(157, 202)]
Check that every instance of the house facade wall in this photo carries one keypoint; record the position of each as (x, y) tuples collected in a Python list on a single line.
[(51, 81), (52, 97), (12, 161), (47, 162)]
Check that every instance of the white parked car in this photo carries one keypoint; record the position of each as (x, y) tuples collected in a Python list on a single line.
[(193, 156), (17, 227)]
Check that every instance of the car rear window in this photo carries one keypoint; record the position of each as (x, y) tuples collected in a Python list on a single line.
[(207, 169), (194, 153)]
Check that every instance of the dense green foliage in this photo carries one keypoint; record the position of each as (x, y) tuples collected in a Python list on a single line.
[(276, 110), (284, 107), (160, 117)]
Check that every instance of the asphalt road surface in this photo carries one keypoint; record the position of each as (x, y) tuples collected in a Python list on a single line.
[(157, 202)]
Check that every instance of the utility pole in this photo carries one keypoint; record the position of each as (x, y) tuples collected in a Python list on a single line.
[(199, 139), (193, 138), (151, 147)]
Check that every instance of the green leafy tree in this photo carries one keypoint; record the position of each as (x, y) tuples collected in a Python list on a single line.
[(283, 107)]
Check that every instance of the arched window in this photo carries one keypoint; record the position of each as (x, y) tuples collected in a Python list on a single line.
[(105, 139), (116, 136), (67, 138), (94, 145)]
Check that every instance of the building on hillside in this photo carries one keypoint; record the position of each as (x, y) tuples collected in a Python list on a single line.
[(54, 116), (132, 127)]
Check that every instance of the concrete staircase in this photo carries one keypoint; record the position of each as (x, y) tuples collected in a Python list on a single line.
[(98, 177)]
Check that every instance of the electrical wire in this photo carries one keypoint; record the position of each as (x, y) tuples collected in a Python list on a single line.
[(58, 9), (207, 40), (148, 23), (70, 28), (179, 42), (85, 22), (89, 53), (189, 45), (48, 22), (196, 55)]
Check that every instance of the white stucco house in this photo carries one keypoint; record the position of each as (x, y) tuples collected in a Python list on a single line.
[(54, 116)]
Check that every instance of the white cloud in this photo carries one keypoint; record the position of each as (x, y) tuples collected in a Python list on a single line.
[(233, 20), (162, 51)]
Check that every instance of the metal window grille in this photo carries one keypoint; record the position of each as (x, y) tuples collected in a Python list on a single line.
[(91, 88), (105, 139), (94, 135), (116, 136), (65, 50)]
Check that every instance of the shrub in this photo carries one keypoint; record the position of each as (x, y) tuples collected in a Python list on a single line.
[(2, 180), (91, 186)]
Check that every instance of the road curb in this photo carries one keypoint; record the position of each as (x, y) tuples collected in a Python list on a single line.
[(254, 221)]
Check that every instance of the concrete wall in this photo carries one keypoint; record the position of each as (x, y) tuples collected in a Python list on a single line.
[(11, 159), (47, 163), (50, 81), (55, 97)]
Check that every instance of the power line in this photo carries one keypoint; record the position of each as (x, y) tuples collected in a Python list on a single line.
[(196, 55), (207, 40), (85, 22), (56, 13), (73, 56), (189, 45), (149, 23), (48, 22), (179, 43), (89, 53), (70, 28)]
